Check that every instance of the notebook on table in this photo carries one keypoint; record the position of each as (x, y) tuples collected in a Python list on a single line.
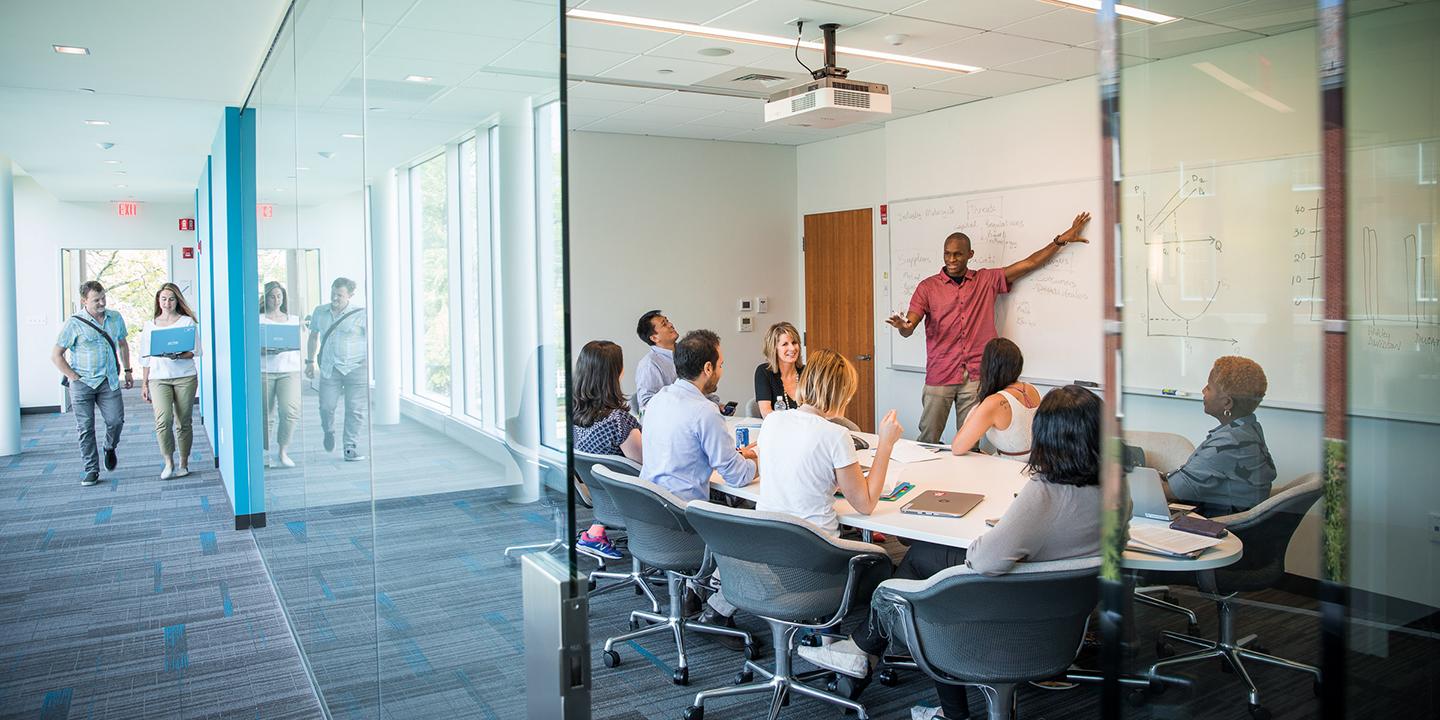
[(279, 338), (171, 340)]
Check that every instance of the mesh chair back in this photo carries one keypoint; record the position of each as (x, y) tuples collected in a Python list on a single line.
[(775, 565), (1007, 629), (655, 521), (846, 423), (1265, 531), (606, 512)]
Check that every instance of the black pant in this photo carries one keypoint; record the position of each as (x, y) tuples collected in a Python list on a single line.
[(923, 560)]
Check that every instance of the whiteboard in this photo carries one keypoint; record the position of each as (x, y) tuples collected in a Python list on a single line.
[(1053, 314), (1227, 260)]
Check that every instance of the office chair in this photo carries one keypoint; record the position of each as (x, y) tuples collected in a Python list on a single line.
[(793, 576), (994, 633), (661, 537), (608, 514), (1265, 531), (846, 423)]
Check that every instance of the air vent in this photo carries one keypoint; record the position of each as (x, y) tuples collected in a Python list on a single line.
[(802, 102), (761, 78), (847, 98), (850, 86)]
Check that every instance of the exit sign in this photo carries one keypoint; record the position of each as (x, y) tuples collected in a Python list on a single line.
[(187, 223), (127, 208), (265, 210)]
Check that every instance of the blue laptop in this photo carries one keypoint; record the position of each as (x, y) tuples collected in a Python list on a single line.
[(172, 340), (275, 337)]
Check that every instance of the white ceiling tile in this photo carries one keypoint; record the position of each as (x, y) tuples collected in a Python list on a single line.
[(493, 18), (991, 83), (533, 57), (688, 47), (663, 114), (691, 12), (405, 42), (395, 69), (992, 49), (1067, 64), (771, 17), (1062, 25), (343, 36), (511, 82), (927, 100), (921, 35), (598, 36), (472, 103), (983, 14), (599, 108), (1180, 38), (385, 12), (648, 69), (899, 76), (586, 62), (879, 6), (323, 74), (696, 131), (711, 102), (634, 126), (619, 93), (739, 119)]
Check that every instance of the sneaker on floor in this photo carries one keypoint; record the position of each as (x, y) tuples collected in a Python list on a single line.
[(285, 461), (111, 459), (182, 472), (843, 657), (600, 547), (353, 455), (329, 441), (167, 473), (90, 479), (920, 712)]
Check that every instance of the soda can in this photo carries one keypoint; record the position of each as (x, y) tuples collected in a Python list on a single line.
[(742, 437)]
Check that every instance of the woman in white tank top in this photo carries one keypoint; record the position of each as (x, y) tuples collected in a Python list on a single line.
[(1006, 408)]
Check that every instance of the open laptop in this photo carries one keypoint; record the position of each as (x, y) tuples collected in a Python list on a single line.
[(1147, 496), (941, 503), (276, 337), (171, 341)]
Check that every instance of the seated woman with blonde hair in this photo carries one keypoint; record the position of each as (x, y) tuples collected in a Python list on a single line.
[(1231, 471), (1007, 406), (778, 378)]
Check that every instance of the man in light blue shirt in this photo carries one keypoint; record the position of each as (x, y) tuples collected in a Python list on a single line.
[(338, 330), (93, 372), (657, 367)]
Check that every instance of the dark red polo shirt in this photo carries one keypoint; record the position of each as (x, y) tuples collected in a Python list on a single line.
[(959, 320)]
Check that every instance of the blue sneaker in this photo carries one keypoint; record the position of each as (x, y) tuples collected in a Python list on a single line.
[(599, 547)]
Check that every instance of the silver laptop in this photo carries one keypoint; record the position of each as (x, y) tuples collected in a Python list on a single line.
[(1147, 496), (940, 503)]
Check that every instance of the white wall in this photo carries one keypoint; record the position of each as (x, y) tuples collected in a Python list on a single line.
[(336, 228), (687, 226), (44, 226)]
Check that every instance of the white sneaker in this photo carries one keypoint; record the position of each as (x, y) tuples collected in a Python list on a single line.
[(920, 712), (842, 657), (285, 461), (167, 473), (182, 472)]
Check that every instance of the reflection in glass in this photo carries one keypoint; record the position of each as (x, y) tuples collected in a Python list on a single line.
[(431, 257)]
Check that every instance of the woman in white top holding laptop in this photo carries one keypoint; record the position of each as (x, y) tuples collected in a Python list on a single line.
[(280, 369), (804, 456), (1007, 409), (169, 380)]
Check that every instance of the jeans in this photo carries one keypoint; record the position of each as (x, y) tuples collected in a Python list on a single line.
[(355, 387), (936, 402), (281, 392), (83, 401), (173, 399)]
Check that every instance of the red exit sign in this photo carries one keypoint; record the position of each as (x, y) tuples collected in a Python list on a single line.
[(265, 210), (127, 208), (187, 223)]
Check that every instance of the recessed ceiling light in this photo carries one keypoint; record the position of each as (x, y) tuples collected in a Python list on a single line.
[(111, 162), (71, 50), (419, 78), (326, 154), (97, 123), (351, 136), (120, 172), (1125, 11), (759, 39), (716, 52), (105, 145), (665, 71), (377, 109), (301, 167), (122, 186)]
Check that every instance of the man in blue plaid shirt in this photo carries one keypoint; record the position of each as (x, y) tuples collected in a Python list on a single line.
[(93, 371)]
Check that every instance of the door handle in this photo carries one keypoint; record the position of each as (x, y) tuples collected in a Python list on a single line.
[(863, 358)]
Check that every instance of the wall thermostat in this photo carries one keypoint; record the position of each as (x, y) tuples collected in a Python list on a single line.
[(745, 325), (744, 305), (762, 304)]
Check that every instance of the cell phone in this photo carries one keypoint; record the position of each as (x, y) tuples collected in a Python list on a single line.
[(728, 409)]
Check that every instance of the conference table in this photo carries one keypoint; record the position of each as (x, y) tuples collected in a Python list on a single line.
[(999, 479)]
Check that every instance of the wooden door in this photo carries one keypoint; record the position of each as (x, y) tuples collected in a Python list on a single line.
[(840, 298)]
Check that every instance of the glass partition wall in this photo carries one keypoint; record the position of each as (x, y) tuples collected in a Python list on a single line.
[(409, 189)]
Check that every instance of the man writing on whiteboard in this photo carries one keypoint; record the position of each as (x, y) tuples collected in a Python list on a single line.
[(958, 307)]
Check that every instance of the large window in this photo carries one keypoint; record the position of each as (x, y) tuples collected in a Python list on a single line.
[(551, 273), (477, 187), (430, 263)]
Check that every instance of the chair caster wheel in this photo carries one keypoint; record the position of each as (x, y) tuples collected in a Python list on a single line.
[(590, 586), (744, 676), (810, 640), (832, 683), (752, 652), (694, 712), (681, 676), (1259, 712), (634, 624), (1192, 630), (612, 659), (889, 678), (1167, 597), (1164, 649)]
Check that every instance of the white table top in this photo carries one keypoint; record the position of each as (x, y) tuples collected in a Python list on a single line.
[(998, 479)]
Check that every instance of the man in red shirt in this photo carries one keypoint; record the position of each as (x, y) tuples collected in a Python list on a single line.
[(958, 306)]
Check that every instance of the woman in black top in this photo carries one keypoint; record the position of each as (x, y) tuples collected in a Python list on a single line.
[(777, 379)]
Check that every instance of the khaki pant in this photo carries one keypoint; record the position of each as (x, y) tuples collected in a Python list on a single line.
[(173, 399), (280, 392), (936, 402)]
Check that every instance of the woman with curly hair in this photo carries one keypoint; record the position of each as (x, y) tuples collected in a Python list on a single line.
[(1232, 469)]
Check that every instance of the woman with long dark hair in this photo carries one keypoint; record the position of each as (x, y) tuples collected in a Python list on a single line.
[(1007, 406), (169, 381), (280, 368), (602, 422)]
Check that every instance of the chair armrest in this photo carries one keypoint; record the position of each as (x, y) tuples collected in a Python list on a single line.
[(912, 586)]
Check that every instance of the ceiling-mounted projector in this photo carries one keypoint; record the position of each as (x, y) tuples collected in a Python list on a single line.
[(831, 99)]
